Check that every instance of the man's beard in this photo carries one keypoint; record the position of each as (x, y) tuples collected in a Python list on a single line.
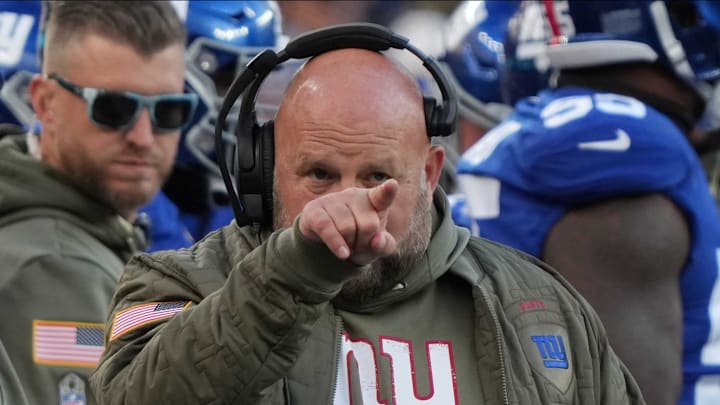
[(384, 273), (90, 180)]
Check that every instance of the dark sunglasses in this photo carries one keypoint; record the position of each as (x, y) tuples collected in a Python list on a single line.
[(118, 110)]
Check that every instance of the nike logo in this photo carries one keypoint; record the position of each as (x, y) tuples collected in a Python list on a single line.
[(620, 144)]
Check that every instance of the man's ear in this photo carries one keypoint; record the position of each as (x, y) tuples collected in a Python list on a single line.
[(433, 167), (40, 96)]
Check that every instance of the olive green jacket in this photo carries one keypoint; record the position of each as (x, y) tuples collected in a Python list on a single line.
[(10, 387), (62, 255), (262, 325)]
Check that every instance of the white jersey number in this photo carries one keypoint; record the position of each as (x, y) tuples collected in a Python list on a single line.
[(556, 114)]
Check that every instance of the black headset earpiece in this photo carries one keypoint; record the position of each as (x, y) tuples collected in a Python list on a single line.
[(267, 143), (252, 201), (431, 109)]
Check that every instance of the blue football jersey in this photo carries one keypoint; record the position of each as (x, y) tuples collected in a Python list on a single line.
[(167, 231), (200, 225), (571, 146)]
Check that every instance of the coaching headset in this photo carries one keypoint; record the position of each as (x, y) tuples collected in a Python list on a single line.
[(252, 202)]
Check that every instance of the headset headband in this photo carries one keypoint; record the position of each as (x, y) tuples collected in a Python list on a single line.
[(440, 119)]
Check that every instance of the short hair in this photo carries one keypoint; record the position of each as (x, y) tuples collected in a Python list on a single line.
[(146, 26)]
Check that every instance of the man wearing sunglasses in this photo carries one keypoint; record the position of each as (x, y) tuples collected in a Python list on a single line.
[(111, 104)]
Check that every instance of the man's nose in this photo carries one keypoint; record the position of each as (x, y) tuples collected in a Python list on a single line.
[(350, 181), (141, 132)]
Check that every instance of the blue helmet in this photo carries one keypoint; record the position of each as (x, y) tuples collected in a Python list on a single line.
[(683, 36), (475, 57), (526, 69), (222, 37), (19, 60)]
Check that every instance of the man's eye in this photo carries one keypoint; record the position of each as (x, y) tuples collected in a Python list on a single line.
[(319, 174), (380, 177)]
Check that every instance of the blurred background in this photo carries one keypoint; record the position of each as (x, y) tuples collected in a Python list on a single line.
[(300, 16)]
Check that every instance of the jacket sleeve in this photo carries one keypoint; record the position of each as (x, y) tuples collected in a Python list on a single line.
[(229, 346)]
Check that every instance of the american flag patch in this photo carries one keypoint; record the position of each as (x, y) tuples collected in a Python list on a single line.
[(131, 318), (67, 343)]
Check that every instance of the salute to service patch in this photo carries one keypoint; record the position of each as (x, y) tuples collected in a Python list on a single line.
[(138, 315), (67, 343), (72, 390)]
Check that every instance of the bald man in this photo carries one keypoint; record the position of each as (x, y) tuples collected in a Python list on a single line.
[(363, 291)]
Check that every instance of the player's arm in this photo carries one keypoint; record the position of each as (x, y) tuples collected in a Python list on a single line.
[(625, 256)]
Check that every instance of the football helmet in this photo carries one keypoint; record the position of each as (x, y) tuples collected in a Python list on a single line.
[(526, 70), (475, 58), (222, 37), (683, 36)]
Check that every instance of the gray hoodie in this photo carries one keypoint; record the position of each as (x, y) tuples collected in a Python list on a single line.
[(62, 254)]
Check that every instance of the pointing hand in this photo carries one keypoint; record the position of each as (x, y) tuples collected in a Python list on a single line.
[(352, 223)]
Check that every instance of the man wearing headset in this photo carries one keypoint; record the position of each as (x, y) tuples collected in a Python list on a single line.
[(111, 104), (360, 289)]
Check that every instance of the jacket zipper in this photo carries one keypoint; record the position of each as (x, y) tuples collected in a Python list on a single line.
[(338, 353), (286, 391), (498, 341)]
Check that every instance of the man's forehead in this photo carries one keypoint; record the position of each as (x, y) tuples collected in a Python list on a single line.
[(309, 155), (353, 71), (352, 100), (347, 132)]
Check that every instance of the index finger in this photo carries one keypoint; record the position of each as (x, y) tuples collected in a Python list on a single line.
[(382, 196)]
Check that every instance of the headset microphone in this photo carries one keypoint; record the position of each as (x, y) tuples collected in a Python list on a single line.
[(252, 200)]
